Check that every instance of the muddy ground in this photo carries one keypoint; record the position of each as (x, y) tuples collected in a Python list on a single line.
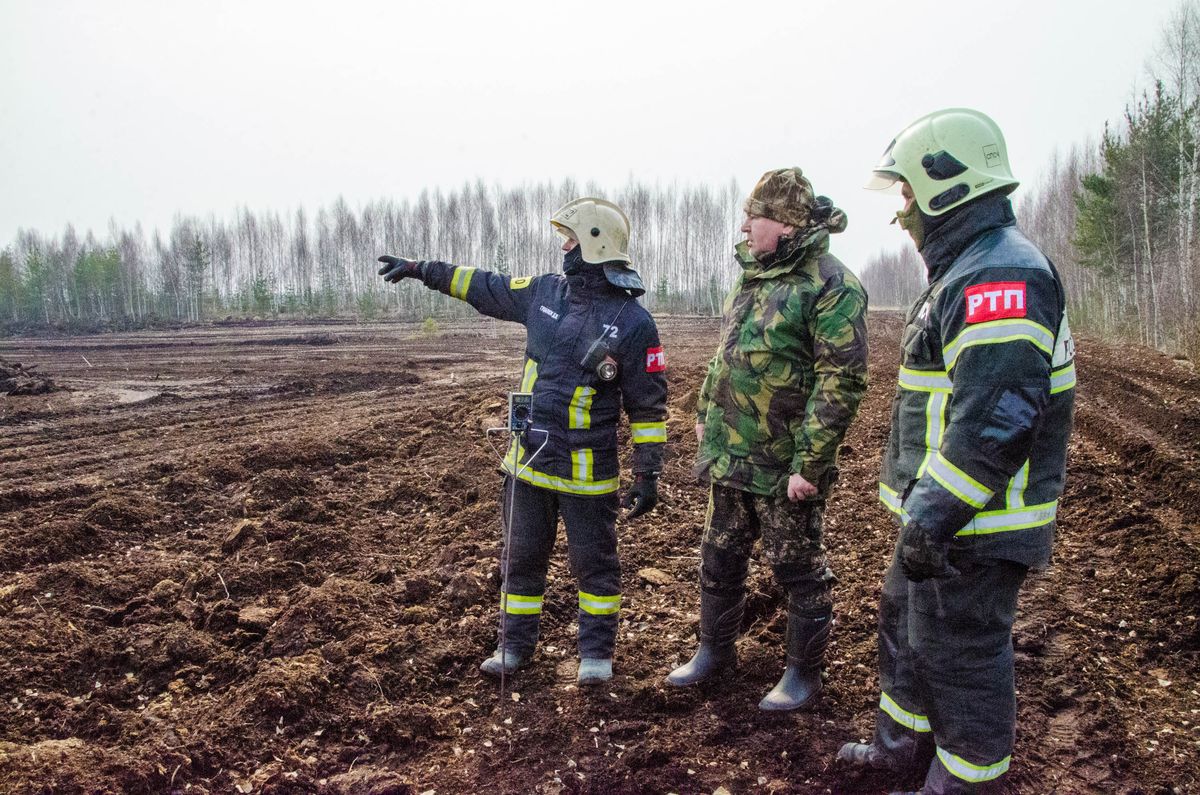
[(263, 558)]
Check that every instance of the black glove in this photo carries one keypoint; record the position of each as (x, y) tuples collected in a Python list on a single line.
[(642, 495), (396, 268), (922, 556)]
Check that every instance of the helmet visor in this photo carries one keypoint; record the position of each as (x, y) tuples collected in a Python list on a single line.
[(887, 181), (563, 231)]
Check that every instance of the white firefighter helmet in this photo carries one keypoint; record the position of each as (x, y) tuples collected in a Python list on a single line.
[(948, 158), (600, 226)]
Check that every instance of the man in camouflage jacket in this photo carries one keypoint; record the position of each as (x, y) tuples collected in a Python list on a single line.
[(779, 396)]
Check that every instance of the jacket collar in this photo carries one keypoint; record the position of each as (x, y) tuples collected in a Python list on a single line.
[(793, 252), (588, 281), (948, 235)]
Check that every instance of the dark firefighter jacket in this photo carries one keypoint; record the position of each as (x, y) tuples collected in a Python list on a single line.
[(563, 316), (982, 413)]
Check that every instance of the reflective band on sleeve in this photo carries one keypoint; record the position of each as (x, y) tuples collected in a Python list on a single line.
[(909, 720), (987, 522), (599, 605), (581, 465), (959, 483), (1015, 497), (968, 771), (925, 380), (461, 281), (530, 376), (579, 412), (997, 331), (518, 605), (648, 432), (519, 282), (1062, 380)]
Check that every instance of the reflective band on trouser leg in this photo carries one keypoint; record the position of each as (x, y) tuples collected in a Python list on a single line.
[(518, 605), (461, 281), (968, 771), (959, 483), (999, 331), (599, 605), (648, 432), (579, 412), (909, 720), (1063, 379), (1015, 496)]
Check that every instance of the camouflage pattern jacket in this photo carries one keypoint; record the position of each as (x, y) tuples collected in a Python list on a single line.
[(789, 373)]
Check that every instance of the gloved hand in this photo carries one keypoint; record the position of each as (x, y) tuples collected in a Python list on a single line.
[(642, 495), (922, 556), (396, 268)]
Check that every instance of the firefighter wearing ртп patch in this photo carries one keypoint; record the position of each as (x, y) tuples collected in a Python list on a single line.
[(975, 463), (591, 348)]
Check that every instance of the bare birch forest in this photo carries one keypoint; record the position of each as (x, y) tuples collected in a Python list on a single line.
[(323, 264)]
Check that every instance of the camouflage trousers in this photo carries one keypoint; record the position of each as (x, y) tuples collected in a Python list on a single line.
[(791, 540)]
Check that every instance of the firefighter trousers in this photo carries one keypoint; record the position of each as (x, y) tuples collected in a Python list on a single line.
[(590, 524), (948, 698)]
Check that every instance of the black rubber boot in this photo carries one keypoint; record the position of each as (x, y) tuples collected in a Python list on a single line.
[(720, 622), (807, 637)]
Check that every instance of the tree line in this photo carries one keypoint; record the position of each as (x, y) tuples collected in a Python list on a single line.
[(323, 264), (1118, 217)]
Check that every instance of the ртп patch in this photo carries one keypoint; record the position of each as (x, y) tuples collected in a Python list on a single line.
[(656, 360), (995, 301)]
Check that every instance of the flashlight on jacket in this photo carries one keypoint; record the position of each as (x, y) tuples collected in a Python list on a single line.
[(599, 359)]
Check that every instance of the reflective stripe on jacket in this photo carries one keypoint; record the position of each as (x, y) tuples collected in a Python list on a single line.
[(984, 403)]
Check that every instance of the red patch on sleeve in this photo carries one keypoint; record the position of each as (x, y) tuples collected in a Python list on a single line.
[(656, 360), (995, 301)]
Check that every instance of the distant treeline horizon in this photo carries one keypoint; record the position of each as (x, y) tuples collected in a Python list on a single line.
[(323, 264), (1119, 219)]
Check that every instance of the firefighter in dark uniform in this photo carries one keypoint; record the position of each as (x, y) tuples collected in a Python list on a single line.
[(591, 348), (975, 464)]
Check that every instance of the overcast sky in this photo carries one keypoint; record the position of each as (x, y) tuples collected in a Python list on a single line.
[(136, 111)]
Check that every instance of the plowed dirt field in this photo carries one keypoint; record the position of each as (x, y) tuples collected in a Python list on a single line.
[(264, 558)]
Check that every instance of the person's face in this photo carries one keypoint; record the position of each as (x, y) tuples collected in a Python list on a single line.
[(762, 234), (907, 193), (569, 244)]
